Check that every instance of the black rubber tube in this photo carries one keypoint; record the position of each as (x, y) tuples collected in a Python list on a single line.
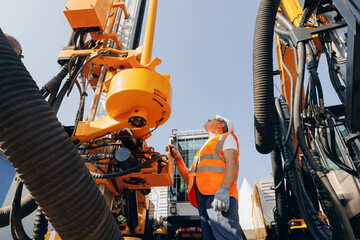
[(280, 196), (263, 84), (28, 205), (138, 25), (315, 225), (53, 84), (340, 211), (16, 226), (45, 159), (40, 225)]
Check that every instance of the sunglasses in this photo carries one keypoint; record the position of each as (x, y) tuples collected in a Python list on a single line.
[(223, 122), (217, 119)]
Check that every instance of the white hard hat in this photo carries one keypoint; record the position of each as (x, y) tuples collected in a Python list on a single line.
[(228, 126)]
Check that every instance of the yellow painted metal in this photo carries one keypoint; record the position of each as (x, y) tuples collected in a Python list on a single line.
[(258, 217), (144, 179), (150, 95), (87, 131), (123, 7), (160, 231), (149, 32), (112, 36), (149, 177), (288, 56), (88, 13), (300, 224), (292, 10), (142, 206)]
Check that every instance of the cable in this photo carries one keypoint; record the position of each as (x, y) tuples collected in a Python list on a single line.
[(330, 152), (17, 229), (128, 171), (335, 81), (348, 232)]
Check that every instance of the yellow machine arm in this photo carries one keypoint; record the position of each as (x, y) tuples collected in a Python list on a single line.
[(100, 179), (135, 97)]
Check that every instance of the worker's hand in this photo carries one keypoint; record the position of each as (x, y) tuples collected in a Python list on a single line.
[(221, 200), (175, 152)]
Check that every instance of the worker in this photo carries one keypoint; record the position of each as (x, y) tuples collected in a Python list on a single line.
[(212, 181), (15, 45)]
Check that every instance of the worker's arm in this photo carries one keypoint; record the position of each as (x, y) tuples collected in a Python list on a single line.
[(230, 156), (183, 170), (222, 197)]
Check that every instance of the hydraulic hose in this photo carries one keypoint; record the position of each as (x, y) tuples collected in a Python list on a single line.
[(280, 195), (16, 226), (340, 211), (27, 206), (316, 226), (53, 84), (46, 160), (40, 225), (263, 84)]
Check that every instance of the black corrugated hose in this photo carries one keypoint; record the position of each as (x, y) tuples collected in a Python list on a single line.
[(45, 159), (263, 76), (54, 83), (40, 225)]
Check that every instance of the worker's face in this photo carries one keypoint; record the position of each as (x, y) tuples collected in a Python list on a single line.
[(213, 125)]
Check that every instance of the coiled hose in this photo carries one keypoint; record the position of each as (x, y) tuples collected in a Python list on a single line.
[(45, 159), (263, 76)]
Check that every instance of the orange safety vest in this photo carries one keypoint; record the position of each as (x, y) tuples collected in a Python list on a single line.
[(208, 169)]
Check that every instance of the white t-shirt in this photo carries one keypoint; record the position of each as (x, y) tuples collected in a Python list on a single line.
[(229, 143)]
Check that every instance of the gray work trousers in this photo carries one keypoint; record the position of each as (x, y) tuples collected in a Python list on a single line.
[(218, 225)]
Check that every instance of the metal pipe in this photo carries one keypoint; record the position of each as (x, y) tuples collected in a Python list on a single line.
[(149, 33), (112, 26)]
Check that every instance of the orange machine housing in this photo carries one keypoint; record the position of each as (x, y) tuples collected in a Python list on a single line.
[(88, 13)]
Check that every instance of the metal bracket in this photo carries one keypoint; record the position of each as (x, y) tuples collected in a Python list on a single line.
[(303, 33)]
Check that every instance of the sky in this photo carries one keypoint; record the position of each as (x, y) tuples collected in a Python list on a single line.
[(205, 46)]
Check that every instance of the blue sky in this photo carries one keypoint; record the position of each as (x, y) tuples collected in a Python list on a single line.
[(205, 46)]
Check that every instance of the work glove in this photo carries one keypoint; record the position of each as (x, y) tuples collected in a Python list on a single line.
[(174, 152), (221, 200)]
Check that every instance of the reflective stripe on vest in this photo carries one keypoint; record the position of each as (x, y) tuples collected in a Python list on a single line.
[(209, 168)]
